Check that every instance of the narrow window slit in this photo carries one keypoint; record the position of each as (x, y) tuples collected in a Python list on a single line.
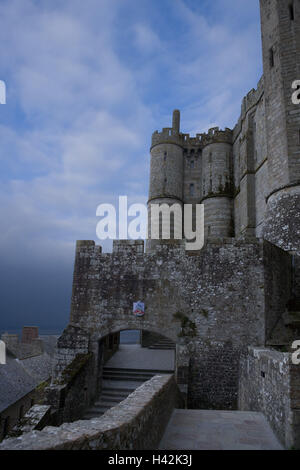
[(271, 57)]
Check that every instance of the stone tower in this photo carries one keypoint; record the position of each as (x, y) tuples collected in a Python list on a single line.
[(217, 183), (280, 25), (192, 170), (166, 171)]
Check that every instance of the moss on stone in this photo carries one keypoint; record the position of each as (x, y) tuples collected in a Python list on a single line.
[(70, 372), (188, 328)]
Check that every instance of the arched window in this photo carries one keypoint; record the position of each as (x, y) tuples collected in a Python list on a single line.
[(192, 189)]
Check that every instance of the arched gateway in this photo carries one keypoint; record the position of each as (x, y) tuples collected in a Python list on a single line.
[(212, 304)]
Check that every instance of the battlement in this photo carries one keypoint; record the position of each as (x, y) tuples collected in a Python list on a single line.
[(249, 101), (252, 98), (167, 136), (214, 135)]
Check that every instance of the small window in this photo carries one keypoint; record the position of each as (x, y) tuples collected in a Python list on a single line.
[(192, 164), (263, 374), (165, 180), (192, 189), (292, 11), (271, 57)]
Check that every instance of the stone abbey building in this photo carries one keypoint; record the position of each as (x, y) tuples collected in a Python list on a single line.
[(233, 307)]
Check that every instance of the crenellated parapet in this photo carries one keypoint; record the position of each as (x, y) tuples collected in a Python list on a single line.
[(216, 136), (169, 136), (249, 101), (252, 98)]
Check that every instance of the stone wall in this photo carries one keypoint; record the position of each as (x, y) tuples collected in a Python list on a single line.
[(250, 165), (210, 303), (213, 376), (73, 390), (136, 423), (10, 417), (278, 290), (271, 384), (37, 417)]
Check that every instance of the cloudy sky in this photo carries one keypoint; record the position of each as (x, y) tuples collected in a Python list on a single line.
[(87, 84)]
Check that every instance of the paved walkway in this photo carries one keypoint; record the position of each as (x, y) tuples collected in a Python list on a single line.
[(133, 356), (218, 430)]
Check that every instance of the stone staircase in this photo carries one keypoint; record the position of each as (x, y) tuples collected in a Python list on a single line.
[(117, 384), (163, 344)]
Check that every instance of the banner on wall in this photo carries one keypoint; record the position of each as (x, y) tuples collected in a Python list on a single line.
[(138, 308)]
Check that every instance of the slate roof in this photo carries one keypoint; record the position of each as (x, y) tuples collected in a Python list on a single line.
[(19, 377)]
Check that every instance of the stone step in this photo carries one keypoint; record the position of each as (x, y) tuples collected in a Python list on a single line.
[(117, 390), (129, 377), (163, 344), (116, 386), (127, 372), (90, 414), (106, 404), (95, 408), (121, 374), (110, 399), (112, 393), (141, 371)]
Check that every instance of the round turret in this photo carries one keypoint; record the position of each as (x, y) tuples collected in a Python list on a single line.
[(217, 185), (166, 174)]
